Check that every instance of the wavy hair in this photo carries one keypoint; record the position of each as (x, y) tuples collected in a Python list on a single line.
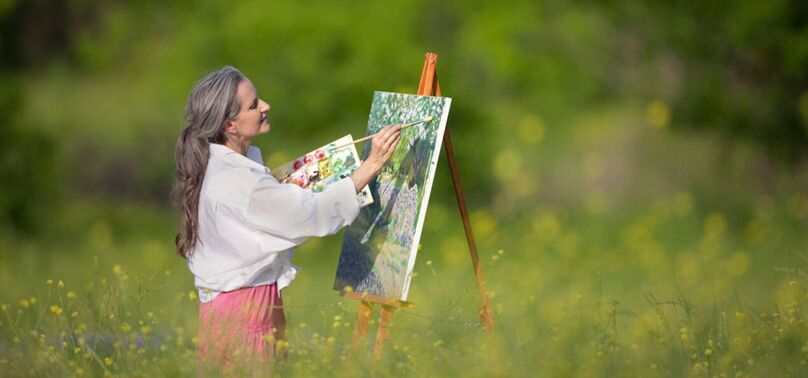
[(211, 103)]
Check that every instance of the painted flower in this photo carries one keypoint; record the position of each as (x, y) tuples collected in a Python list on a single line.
[(297, 164)]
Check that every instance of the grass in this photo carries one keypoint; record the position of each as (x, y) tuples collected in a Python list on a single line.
[(674, 293), (596, 264)]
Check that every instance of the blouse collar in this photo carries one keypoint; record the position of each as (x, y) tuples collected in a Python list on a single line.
[(252, 160)]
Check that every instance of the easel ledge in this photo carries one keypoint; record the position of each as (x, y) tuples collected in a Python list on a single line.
[(367, 297)]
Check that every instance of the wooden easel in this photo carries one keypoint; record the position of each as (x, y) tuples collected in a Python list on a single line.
[(428, 86)]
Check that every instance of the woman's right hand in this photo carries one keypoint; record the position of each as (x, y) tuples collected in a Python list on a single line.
[(381, 150), (383, 145)]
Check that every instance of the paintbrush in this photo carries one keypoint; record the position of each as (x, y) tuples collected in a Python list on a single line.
[(406, 125)]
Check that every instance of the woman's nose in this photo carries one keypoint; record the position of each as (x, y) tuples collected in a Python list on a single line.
[(265, 107)]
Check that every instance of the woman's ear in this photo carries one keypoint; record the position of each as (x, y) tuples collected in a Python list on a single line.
[(229, 127)]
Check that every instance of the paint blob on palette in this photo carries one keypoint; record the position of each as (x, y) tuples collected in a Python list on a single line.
[(379, 248), (322, 167)]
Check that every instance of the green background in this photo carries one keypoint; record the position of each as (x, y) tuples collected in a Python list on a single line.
[(636, 176)]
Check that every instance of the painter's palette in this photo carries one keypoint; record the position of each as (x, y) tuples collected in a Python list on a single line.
[(322, 167)]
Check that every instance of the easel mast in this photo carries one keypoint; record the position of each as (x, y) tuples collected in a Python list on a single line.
[(428, 86)]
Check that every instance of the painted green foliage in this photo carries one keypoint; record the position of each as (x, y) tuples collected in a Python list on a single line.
[(379, 248)]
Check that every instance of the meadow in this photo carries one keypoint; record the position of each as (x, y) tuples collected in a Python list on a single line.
[(635, 172), (679, 284)]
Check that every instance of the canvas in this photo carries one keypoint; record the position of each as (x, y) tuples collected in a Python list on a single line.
[(379, 248), (322, 167)]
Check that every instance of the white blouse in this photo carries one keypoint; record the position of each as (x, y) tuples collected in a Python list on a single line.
[(249, 223)]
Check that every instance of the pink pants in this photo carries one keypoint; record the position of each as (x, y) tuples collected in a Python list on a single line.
[(241, 325)]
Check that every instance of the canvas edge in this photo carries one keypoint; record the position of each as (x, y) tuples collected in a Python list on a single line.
[(419, 227)]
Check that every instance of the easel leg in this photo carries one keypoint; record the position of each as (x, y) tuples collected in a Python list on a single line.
[(383, 333), (485, 308), (429, 85), (361, 330)]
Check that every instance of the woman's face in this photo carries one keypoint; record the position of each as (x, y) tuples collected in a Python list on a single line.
[(252, 118)]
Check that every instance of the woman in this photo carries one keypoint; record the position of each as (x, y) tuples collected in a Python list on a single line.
[(238, 225)]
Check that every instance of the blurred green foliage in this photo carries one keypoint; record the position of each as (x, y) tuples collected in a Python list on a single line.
[(739, 67), (26, 165), (108, 80)]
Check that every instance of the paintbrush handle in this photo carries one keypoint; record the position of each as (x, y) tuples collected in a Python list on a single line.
[(358, 140), (373, 135)]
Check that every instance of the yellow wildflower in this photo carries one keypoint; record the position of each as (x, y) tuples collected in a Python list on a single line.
[(657, 114), (56, 310)]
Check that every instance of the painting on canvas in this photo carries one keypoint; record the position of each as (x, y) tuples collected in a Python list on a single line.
[(379, 247)]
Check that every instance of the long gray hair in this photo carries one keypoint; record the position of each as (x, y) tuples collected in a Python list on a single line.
[(211, 103)]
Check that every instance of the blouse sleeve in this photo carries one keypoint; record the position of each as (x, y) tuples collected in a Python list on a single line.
[(293, 213)]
